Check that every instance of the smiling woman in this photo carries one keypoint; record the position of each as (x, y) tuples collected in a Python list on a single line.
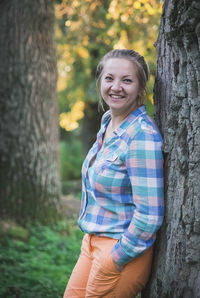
[(134, 67), (122, 189), (120, 87)]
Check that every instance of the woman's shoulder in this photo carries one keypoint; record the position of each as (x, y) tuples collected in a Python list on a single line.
[(145, 128), (148, 124)]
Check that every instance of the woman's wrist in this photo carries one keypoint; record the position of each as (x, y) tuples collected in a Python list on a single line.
[(118, 266)]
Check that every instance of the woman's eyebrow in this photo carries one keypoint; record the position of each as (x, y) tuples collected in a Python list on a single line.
[(127, 75)]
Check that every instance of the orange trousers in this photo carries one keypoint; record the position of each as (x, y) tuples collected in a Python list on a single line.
[(95, 274)]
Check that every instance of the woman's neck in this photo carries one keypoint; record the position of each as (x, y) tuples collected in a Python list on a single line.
[(117, 119), (113, 124)]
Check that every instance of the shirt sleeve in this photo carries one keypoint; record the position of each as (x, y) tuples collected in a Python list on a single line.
[(144, 162)]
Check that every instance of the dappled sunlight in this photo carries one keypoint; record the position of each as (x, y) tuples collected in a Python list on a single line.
[(69, 121)]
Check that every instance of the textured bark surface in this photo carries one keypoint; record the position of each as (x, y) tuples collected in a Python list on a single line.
[(176, 266), (28, 110)]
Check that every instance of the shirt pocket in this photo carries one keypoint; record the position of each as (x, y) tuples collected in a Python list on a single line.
[(114, 163), (111, 178), (114, 157)]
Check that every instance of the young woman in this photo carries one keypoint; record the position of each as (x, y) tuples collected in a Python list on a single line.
[(122, 191)]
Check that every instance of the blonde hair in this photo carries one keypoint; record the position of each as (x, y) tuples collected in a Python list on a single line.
[(142, 71)]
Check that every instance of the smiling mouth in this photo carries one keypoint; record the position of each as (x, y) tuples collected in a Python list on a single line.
[(116, 96)]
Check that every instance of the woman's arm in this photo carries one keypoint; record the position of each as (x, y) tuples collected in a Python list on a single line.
[(144, 164)]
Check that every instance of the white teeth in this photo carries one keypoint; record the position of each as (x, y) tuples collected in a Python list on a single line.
[(116, 96)]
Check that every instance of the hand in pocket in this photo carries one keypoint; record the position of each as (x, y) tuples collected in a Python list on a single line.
[(118, 267)]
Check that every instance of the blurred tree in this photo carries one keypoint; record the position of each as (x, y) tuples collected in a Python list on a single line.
[(28, 115), (85, 31), (176, 267)]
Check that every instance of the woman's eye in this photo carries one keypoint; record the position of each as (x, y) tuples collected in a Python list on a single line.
[(128, 80), (108, 78)]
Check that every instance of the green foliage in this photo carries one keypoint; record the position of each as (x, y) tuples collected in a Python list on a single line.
[(11, 229), (150, 108), (41, 266), (71, 158)]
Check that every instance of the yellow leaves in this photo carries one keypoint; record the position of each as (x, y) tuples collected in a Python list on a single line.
[(124, 17), (111, 31), (61, 84), (67, 23), (99, 24), (149, 9), (75, 3), (63, 69), (69, 121), (160, 9), (82, 52), (123, 41), (150, 86), (137, 5), (139, 46), (75, 26), (94, 5), (79, 105), (130, 10), (60, 10), (66, 53), (114, 10), (151, 99), (85, 40)]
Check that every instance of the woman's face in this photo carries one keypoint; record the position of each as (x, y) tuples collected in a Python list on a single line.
[(120, 85)]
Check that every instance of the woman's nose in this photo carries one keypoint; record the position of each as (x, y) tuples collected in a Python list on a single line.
[(116, 85)]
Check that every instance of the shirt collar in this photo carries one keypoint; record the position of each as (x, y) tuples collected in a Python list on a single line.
[(130, 119)]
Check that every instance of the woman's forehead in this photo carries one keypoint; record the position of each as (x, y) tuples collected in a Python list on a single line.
[(119, 66)]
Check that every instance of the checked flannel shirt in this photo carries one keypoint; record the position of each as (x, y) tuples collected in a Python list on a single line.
[(122, 186)]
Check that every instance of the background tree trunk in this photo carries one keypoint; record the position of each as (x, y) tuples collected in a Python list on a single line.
[(90, 125), (28, 111), (176, 266)]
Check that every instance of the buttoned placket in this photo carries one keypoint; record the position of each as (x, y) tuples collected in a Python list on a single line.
[(93, 156)]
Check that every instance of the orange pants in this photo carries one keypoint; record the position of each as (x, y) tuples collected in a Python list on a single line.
[(95, 274)]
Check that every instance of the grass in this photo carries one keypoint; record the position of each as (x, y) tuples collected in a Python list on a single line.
[(41, 266)]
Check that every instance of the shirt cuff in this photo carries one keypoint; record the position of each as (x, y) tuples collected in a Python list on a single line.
[(119, 255)]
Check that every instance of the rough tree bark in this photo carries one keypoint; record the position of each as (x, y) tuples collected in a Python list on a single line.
[(28, 111), (176, 266)]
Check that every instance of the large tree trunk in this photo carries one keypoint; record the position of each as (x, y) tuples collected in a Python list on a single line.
[(28, 111), (176, 266)]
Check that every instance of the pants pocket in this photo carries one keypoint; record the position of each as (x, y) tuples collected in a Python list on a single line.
[(108, 267), (103, 278)]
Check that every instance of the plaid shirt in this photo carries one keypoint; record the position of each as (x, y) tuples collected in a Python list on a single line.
[(122, 191)]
